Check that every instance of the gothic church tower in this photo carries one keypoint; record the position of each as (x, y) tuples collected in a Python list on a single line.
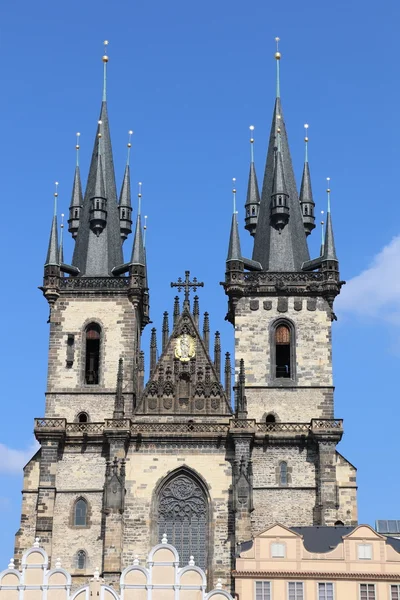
[(123, 460)]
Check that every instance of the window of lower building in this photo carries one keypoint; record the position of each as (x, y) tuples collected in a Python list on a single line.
[(325, 591), (367, 591), (395, 592), (364, 551), (277, 550), (263, 590), (296, 590), (81, 559)]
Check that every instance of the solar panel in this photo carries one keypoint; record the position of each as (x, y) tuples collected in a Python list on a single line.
[(381, 526)]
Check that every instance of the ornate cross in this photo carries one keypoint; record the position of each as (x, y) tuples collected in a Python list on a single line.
[(186, 285)]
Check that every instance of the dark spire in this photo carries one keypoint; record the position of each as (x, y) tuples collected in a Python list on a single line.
[(98, 202), (141, 371), (125, 204), (97, 255), (52, 257), (234, 251), (242, 402), (138, 252), (177, 310), (329, 245), (196, 311), (206, 331), (165, 331), (76, 197), (153, 350), (284, 249), (252, 205), (228, 377), (119, 399), (61, 246), (217, 354), (306, 196)]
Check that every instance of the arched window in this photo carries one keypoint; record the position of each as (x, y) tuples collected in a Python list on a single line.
[(80, 513), (283, 352), (339, 523), (184, 387), (81, 559), (92, 365), (182, 513), (83, 417), (270, 418), (283, 473)]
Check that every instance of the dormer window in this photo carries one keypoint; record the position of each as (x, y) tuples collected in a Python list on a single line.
[(277, 550)]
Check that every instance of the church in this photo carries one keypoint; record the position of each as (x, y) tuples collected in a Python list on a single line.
[(136, 446)]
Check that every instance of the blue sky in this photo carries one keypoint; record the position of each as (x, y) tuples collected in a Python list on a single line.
[(189, 78)]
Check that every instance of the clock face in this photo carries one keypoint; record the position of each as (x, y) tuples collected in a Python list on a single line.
[(185, 347)]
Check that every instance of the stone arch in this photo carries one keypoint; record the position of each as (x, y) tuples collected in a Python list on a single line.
[(182, 509)]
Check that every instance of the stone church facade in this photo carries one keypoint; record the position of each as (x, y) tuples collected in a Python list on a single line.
[(126, 457)]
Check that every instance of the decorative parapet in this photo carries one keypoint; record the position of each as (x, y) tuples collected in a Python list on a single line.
[(37, 582), (317, 426), (268, 282)]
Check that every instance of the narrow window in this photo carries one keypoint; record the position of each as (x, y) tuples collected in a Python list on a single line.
[(80, 513), (263, 590), (92, 354), (282, 342), (395, 592), (283, 473), (296, 590), (123, 213), (277, 550), (253, 210), (306, 210), (270, 419), (325, 591), (364, 551), (76, 213), (82, 418), (339, 524), (81, 559), (367, 591)]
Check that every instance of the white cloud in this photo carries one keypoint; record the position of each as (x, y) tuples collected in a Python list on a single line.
[(13, 461), (375, 293)]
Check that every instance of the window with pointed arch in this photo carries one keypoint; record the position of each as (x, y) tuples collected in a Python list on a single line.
[(81, 560), (183, 514), (283, 360), (92, 354), (80, 513)]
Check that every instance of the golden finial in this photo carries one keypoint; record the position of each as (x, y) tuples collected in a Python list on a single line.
[(105, 57), (322, 231), (252, 142), (139, 197), (328, 191), (277, 53), (306, 126), (100, 123), (129, 145), (77, 146), (234, 194), (56, 189), (62, 221)]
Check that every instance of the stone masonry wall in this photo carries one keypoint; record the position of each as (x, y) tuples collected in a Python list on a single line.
[(80, 473), (26, 534), (146, 468), (347, 485), (116, 317), (313, 362), (290, 504)]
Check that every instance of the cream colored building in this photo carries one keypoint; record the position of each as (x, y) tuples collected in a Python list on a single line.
[(319, 563), (159, 578)]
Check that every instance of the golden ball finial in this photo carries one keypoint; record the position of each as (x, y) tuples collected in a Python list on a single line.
[(105, 57), (278, 130), (278, 55)]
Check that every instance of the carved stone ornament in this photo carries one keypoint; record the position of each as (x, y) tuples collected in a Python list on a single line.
[(267, 304), (254, 304), (152, 403), (282, 304), (298, 304), (311, 304), (185, 347)]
